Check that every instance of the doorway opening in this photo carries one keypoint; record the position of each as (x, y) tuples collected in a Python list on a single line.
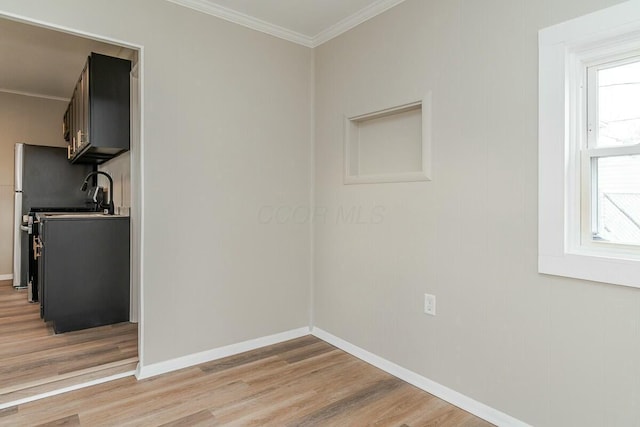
[(40, 68)]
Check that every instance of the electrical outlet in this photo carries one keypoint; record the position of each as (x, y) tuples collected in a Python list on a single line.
[(430, 304)]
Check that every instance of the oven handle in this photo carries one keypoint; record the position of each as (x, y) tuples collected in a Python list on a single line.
[(37, 247)]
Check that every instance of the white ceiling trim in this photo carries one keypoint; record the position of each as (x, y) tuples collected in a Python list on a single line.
[(275, 30), (371, 11), (245, 20), (33, 95)]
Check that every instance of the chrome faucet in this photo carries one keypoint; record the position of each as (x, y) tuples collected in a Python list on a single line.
[(108, 206)]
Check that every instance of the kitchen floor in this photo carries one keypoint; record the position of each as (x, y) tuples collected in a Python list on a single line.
[(33, 360)]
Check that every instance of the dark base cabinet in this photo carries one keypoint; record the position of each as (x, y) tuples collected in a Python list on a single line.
[(84, 271)]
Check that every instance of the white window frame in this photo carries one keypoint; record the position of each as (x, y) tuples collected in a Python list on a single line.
[(565, 52)]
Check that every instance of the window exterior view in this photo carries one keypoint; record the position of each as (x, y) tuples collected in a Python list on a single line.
[(612, 155)]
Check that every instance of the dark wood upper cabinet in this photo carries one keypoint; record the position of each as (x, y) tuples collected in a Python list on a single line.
[(96, 124)]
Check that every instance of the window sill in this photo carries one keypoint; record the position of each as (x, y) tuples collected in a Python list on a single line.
[(625, 272)]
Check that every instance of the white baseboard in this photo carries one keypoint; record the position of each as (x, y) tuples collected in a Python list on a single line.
[(217, 353), (460, 400), (6, 276), (66, 389)]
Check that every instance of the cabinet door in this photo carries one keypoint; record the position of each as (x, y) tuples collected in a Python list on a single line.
[(77, 122), (79, 113), (85, 103), (65, 125), (82, 93), (80, 131), (87, 272), (72, 126)]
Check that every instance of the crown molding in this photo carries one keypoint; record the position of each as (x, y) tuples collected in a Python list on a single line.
[(33, 95), (245, 20), (363, 15), (275, 30)]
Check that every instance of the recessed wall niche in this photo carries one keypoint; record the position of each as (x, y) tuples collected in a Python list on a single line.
[(390, 145)]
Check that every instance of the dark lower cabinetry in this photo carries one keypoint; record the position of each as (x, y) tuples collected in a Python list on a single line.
[(84, 271)]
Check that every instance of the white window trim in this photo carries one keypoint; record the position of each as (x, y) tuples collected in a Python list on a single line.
[(563, 49)]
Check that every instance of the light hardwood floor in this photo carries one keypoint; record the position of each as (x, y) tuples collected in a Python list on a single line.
[(302, 382), (34, 360)]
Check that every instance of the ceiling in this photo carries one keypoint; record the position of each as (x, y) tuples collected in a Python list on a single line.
[(43, 62), (307, 22)]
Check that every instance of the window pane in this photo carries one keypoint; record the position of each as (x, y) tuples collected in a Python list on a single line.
[(618, 199), (619, 105)]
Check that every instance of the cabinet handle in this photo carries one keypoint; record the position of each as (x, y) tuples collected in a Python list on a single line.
[(82, 142)]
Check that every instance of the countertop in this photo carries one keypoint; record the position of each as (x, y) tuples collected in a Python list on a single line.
[(78, 215)]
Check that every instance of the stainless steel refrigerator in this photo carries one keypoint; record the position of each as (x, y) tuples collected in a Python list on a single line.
[(44, 180)]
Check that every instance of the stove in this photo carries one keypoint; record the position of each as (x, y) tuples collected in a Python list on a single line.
[(30, 225)]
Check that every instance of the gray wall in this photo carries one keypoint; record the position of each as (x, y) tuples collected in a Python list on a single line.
[(227, 125), (22, 119), (547, 350), (226, 131)]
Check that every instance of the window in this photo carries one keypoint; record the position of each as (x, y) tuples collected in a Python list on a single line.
[(589, 147), (610, 155)]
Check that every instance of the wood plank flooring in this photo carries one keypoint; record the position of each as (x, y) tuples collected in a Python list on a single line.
[(302, 382), (34, 360)]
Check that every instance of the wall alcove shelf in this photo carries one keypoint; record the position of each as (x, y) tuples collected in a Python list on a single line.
[(389, 145)]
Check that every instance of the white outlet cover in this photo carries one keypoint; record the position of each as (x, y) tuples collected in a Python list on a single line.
[(430, 304)]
